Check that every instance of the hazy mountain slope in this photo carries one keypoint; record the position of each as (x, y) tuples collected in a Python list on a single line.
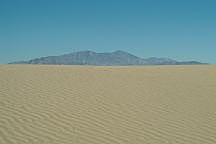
[(93, 58)]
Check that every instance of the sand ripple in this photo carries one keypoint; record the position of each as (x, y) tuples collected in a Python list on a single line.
[(107, 105)]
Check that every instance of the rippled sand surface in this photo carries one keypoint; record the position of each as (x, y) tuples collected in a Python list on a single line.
[(107, 105)]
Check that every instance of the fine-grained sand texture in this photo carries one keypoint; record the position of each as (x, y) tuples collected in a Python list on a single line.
[(107, 105)]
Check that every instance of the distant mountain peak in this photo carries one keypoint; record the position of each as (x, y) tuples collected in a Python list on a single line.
[(81, 52), (88, 57), (120, 51)]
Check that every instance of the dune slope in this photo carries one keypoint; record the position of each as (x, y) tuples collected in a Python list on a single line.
[(107, 105)]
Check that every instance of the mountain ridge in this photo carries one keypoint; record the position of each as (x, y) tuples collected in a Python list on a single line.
[(118, 57)]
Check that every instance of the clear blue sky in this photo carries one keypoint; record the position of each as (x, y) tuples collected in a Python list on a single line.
[(179, 29)]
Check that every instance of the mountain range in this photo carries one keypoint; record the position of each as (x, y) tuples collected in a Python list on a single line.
[(109, 58)]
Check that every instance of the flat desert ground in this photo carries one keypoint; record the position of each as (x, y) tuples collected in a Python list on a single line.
[(41, 104)]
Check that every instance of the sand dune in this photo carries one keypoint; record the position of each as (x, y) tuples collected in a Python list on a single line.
[(107, 105)]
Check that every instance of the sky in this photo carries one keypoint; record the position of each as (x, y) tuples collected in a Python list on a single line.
[(178, 29)]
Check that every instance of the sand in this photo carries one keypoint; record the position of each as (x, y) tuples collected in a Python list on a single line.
[(42, 104)]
